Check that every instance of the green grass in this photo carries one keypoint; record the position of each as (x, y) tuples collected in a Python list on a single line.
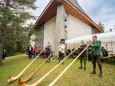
[(73, 76)]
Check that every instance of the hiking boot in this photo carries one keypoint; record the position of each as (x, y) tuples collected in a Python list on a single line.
[(93, 72), (84, 68), (100, 75), (80, 68)]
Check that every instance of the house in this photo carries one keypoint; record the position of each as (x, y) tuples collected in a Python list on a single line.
[(62, 20)]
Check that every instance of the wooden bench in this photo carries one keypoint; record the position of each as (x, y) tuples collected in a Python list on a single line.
[(110, 59), (106, 57)]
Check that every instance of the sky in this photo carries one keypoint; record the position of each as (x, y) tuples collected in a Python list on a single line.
[(97, 10)]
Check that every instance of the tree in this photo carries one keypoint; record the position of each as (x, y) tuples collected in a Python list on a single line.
[(110, 30), (101, 26), (13, 31)]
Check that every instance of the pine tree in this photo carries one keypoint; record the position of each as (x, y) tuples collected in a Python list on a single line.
[(101, 26), (13, 33)]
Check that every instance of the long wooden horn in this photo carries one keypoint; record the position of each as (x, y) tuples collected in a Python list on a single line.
[(53, 82), (41, 79), (11, 79), (24, 81)]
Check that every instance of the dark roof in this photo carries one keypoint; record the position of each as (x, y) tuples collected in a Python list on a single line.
[(76, 4)]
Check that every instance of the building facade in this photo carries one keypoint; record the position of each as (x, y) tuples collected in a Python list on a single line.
[(63, 19)]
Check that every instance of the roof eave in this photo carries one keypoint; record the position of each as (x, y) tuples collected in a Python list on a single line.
[(93, 24), (35, 26)]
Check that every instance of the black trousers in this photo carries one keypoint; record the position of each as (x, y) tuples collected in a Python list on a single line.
[(83, 59), (30, 54), (47, 55), (61, 56), (98, 60), (3, 56)]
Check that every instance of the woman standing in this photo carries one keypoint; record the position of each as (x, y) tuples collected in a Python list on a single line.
[(35, 51)]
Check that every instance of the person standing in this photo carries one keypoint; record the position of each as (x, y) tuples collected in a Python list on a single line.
[(35, 50), (89, 51), (48, 51), (4, 54), (96, 55), (61, 51), (83, 55), (30, 51), (43, 54)]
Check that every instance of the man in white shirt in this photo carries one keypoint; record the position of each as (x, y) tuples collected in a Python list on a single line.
[(61, 51)]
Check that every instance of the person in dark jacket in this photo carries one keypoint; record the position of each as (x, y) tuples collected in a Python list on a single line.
[(83, 55), (30, 51), (96, 55), (89, 51), (104, 52), (48, 51), (4, 54)]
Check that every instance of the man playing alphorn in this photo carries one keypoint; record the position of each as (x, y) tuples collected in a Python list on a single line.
[(61, 51), (96, 55), (83, 55), (48, 51)]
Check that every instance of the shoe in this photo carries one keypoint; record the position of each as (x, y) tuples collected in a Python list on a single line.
[(100, 75), (84, 68), (80, 68), (63, 63), (93, 72), (47, 61)]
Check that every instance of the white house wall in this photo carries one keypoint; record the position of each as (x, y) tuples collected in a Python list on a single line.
[(32, 42), (76, 28), (113, 46), (49, 32)]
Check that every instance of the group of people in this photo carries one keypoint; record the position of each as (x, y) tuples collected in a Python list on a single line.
[(95, 47), (35, 51), (94, 52), (47, 51), (32, 51)]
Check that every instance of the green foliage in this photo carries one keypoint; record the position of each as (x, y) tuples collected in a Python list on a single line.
[(28, 3), (14, 32)]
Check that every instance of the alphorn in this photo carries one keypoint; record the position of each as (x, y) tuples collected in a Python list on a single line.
[(41, 79), (11, 79), (24, 81), (53, 82)]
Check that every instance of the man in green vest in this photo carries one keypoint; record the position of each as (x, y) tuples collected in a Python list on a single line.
[(96, 55)]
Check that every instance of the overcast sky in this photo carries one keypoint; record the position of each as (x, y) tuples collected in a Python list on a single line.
[(97, 10)]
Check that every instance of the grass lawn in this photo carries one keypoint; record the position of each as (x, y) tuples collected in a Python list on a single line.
[(73, 77)]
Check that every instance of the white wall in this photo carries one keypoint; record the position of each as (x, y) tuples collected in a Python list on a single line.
[(49, 32), (113, 46), (32, 37), (75, 28)]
